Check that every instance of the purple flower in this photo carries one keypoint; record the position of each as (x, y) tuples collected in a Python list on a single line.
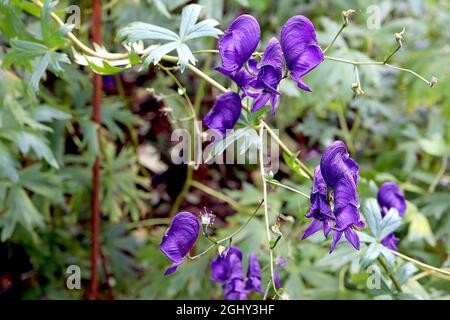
[(225, 113), (390, 196), (320, 209), (301, 49), (276, 279), (253, 274), (239, 42), (340, 172), (227, 269), (269, 75), (179, 238), (280, 262)]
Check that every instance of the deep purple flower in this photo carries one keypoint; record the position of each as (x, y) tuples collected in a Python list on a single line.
[(320, 209), (179, 238), (340, 172), (239, 42), (390, 196), (269, 75), (225, 113), (253, 274), (301, 49), (227, 269)]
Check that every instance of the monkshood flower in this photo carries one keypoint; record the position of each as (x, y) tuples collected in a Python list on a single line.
[(269, 74), (276, 280), (225, 113), (241, 77), (239, 42), (179, 238), (320, 209), (390, 196), (253, 282), (227, 270), (341, 173), (301, 49)]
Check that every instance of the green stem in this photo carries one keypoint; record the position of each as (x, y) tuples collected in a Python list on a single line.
[(345, 131), (391, 54), (228, 237), (276, 183), (335, 37), (421, 265), (439, 175), (216, 194), (266, 209), (392, 276)]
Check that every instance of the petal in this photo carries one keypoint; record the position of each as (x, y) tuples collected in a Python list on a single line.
[(225, 113), (336, 237), (260, 101), (241, 77), (239, 42), (179, 238), (312, 228), (390, 196), (276, 279), (273, 55), (273, 103), (352, 237), (326, 228), (337, 164), (300, 47), (390, 242)]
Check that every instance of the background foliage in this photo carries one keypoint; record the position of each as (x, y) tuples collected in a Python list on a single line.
[(398, 130)]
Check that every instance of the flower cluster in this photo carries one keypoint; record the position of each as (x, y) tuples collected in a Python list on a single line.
[(260, 79), (337, 174), (227, 270), (390, 196)]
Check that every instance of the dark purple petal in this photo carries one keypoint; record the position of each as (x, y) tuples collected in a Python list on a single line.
[(239, 42), (390, 242), (235, 290), (272, 55), (260, 101), (253, 274), (227, 265), (276, 279), (336, 164), (390, 196), (300, 47), (179, 238), (225, 113), (320, 209)]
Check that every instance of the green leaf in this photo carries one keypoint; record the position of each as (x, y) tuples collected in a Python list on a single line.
[(390, 222), (370, 254), (137, 31), (19, 210), (7, 164), (372, 215), (27, 141)]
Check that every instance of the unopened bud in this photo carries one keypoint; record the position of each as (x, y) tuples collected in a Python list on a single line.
[(399, 37), (433, 81), (346, 14), (357, 89), (220, 250), (276, 229)]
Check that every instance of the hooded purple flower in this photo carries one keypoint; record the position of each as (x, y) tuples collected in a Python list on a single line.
[(269, 74), (179, 238), (301, 49), (227, 269), (320, 209), (225, 113), (340, 172), (253, 274), (390, 196), (241, 77), (239, 42)]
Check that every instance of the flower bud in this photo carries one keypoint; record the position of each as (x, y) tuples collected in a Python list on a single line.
[(346, 14), (433, 81), (399, 37)]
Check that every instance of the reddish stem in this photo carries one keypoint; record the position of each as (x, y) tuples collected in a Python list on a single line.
[(96, 34)]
